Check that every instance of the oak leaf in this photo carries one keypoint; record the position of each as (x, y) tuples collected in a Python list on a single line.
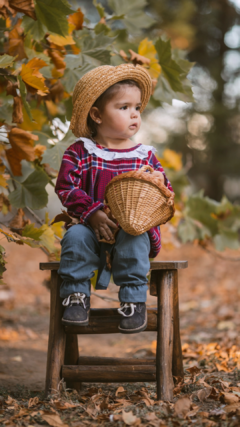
[(31, 75), (76, 19)]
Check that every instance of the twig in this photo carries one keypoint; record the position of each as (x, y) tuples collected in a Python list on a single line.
[(226, 258)]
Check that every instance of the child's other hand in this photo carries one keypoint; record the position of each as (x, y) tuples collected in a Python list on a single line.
[(100, 223)]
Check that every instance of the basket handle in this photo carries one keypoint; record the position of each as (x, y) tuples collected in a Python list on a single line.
[(146, 168)]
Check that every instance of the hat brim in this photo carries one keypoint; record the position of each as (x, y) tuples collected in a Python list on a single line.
[(95, 82)]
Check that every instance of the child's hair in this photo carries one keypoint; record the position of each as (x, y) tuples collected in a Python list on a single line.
[(104, 98)]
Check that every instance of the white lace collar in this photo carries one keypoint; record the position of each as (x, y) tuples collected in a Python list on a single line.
[(140, 152)]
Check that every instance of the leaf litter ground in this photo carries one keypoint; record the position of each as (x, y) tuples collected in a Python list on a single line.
[(210, 323)]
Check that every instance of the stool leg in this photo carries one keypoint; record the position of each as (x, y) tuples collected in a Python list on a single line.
[(71, 357), (177, 367), (57, 337), (165, 336)]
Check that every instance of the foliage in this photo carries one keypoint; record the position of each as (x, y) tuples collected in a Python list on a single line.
[(46, 47)]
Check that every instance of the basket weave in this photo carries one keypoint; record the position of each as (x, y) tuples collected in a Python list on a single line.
[(139, 200)]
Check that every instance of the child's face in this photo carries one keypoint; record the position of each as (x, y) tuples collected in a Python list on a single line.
[(120, 118)]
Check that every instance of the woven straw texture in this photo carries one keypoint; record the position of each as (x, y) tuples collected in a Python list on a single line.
[(139, 201), (95, 82)]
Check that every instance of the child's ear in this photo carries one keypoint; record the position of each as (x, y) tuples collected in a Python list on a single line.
[(95, 115)]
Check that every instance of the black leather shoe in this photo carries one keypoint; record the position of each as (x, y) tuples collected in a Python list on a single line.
[(77, 309), (134, 317)]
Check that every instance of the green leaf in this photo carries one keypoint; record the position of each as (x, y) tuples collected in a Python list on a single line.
[(171, 70), (202, 209), (23, 92), (6, 60), (226, 239), (53, 156), (187, 230), (71, 77), (52, 14), (35, 28), (6, 110), (32, 232), (99, 8), (73, 61), (132, 14), (30, 192), (31, 53)]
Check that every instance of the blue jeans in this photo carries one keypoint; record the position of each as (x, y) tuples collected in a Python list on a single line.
[(82, 254)]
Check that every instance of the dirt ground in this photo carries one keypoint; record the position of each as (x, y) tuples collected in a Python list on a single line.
[(209, 313)]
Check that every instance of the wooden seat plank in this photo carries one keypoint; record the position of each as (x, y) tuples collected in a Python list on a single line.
[(154, 265)]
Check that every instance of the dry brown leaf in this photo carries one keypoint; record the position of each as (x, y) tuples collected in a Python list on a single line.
[(232, 408), (17, 222), (33, 401), (15, 44), (39, 150), (129, 418), (229, 398), (61, 406), (123, 55), (204, 393), (22, 143), (24, 6), (58, 59), (138, 59), (182, 407), (76, 19), (4, 203), (64, 216), (54, 420), (120, 392), (17, 115)]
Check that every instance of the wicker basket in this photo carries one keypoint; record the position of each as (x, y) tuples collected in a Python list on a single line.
[(139, 200)]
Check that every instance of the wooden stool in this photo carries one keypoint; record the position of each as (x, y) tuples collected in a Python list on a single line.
[(63, 358)]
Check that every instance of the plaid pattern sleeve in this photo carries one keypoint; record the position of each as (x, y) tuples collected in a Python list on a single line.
[(154, 233), (69, 187)]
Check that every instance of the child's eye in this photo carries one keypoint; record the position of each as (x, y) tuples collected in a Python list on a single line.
[(124, 107), (138, 108)]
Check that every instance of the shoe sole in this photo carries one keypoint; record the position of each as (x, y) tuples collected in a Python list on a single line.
[(134, 331), (75, 323)]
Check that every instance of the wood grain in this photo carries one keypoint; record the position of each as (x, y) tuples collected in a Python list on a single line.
[(57, 337), (154, 265), (165, 336), (109, 374), (108, 361)]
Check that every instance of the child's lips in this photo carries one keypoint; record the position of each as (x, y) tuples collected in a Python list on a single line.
[(134, 125)]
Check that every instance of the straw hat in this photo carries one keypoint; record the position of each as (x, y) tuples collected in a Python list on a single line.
[(95, 82)]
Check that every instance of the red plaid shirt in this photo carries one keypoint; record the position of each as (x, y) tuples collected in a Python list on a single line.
[(83, 177)]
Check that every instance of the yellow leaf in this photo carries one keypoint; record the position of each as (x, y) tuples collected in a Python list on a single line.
[(94, 279), (76, 19), (39, 150), (146, 48), (47, 239), (31, 75), (58, 229), (52, 108), (3, 182), (22, 143), (60, 40), (171, 159), (38, 120)]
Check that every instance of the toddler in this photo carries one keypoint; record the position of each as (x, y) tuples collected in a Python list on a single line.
[(107, 103)]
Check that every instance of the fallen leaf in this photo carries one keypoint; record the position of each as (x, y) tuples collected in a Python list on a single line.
[(120, 392), (33, 401), (182, 407), (229, 398), (204, 393), (129, 418), (232, 408), (54, 420)]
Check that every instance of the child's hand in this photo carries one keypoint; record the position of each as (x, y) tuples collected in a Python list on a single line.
[(100, 223)]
